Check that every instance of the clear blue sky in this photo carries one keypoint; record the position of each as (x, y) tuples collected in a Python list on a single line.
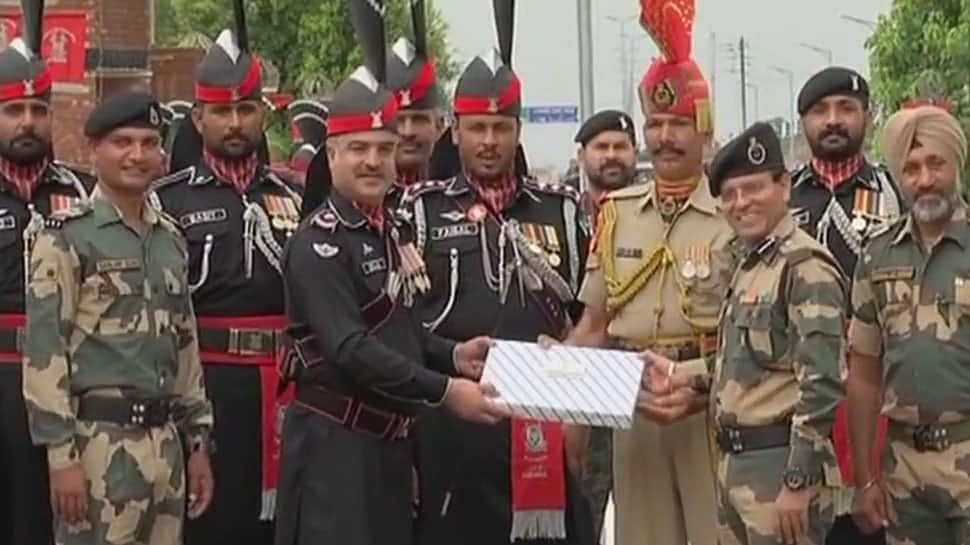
[(546, 53)]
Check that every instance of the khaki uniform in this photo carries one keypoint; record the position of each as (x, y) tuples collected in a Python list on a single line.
[(661, 281), (110, 322), (911, 308), (777, 383)]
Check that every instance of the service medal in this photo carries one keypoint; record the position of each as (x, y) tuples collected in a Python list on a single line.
[(859, 224), (688, 270), (555, 260), (703, 271)]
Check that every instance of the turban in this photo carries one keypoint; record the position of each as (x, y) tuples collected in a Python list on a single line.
[(674, 83), (932, 127)]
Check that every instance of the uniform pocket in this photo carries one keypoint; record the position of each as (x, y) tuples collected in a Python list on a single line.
[(759, 334)]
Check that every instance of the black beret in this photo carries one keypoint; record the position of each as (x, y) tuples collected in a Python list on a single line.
[(833, 80), (124, 109), (755, 150), (607, 120)]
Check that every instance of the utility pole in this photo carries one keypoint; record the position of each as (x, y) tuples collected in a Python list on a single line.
[(627, 56), (744, 85), (584, 22)]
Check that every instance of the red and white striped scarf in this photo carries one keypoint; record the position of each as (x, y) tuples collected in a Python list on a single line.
[(24, 178), (240, 174), (496, 194), (374, 215), (835, 173)]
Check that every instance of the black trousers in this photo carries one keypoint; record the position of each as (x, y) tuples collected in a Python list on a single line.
[(25, 513), (342, 487), (845, 532), (233, 516)]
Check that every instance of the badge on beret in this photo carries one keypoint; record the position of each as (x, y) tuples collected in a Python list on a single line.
[(622, 122), (756, 152), (153, 116), (664, 95)]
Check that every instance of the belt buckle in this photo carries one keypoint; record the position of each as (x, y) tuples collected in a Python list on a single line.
[(931, 438), (149, 412), (731, 440), (250, 342)]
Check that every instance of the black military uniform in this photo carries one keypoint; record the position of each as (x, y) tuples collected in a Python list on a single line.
[(843, 220), (235, 243), (862, 204), (358, 350), (511, 274), (25, 516)]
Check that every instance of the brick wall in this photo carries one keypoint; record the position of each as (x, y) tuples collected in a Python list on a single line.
[(173, 72)]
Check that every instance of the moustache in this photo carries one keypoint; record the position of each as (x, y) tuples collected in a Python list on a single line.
[(29, 137), (835, 131), (236, 136), (667, 147), (612, 164)]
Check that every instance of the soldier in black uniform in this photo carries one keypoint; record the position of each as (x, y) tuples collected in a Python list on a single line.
[(841, 199), (308, 125), (505, 255), (359, 350), (413, 79), (32, 186), (237, 215)]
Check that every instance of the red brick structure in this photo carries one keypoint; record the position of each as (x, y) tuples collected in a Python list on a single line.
[(117, 47)]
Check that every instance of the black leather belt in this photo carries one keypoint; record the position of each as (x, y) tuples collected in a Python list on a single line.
[(930, 437), (738, 439), (144, 413), (238, 341), (352, 413)]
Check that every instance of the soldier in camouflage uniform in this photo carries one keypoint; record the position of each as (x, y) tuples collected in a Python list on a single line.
[(111, 363), (777, 376), (909, 340)]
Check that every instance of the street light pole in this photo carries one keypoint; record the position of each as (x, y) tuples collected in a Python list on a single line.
[(819, 49), (584, 22), (627, 52), (791, 106), (757, 100)]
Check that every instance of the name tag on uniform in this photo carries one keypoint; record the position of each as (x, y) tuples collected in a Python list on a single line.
[(631, 253), (211, 215), (454, 231), (112, 265), (893, 273), (8, 222), (374, 265)]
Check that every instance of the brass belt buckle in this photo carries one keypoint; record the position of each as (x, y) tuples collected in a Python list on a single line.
[(931, 438), (250, 342)]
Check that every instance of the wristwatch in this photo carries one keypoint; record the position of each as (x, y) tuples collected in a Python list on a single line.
[(794, 479)]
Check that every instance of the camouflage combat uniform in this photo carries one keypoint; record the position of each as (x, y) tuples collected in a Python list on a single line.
[(911, 308), (777, 382), (109, 317)]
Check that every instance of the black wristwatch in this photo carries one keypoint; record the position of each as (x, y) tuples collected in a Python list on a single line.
[(794, 479)]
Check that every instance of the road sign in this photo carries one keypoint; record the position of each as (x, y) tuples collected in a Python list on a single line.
[(550, 114)]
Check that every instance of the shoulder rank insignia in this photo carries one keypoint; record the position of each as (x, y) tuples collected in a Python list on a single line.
[(325, 250), (58, 219), (178, 176), (554, 188), (428, 186)]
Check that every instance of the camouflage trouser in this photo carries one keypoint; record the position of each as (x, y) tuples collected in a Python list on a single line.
[(598, 479), (747, 486), (136, 487), (931, 494)]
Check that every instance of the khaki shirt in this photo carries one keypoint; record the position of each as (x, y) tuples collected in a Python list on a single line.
[(658, 281), (911, 307)]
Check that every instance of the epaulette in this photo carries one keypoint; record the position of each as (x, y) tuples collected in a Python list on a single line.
[(630, 192), (554, 188), (176, 177), (414, 191), (67, 175), (795, 254), (326, 219), (800, 173), (59, 218)]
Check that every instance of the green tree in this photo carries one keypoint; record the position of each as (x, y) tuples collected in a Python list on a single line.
[(311, 43), (922, 49)]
